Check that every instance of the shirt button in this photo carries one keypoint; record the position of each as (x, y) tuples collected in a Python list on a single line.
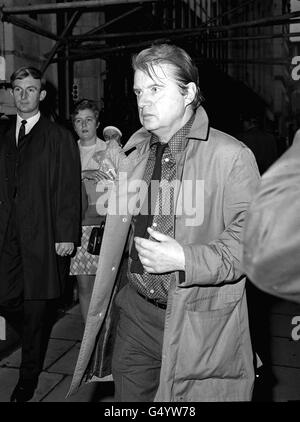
[(100, 315), (113, 268), (167, 160), (152, 291), (154, 224), (124, 220)]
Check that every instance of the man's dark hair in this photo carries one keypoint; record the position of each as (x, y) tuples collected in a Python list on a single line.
[(25, 71), (86, 104), (185, 71)]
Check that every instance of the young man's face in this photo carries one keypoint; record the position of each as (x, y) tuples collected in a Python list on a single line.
[(27, 95), (161, 104)]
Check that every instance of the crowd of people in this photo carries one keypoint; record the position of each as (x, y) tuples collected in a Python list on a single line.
[(181, 216)]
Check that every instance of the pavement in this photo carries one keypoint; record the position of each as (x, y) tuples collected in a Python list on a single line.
[(281, 338), (54, 381)]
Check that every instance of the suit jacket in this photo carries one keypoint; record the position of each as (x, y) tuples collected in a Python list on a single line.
[(272, 229), (45, 170)]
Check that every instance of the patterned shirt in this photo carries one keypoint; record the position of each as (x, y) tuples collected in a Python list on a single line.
[(156, 286)]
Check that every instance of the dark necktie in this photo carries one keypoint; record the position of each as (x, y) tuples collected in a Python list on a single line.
[(145, 219), (21, 131)]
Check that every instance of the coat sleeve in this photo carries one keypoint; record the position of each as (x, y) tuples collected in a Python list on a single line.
[(67, 188), (220, 260), (272, 229)]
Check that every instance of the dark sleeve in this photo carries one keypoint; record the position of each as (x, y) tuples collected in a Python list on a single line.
[(68, 188), (84, 200)]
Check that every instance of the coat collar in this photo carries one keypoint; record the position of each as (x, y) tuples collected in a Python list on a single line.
[(200, 127)]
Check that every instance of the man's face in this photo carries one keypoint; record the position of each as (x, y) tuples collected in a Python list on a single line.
[(111, 134), (161, 103), (27, 96)]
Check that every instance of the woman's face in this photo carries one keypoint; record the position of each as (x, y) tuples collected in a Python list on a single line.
[(85, 124)]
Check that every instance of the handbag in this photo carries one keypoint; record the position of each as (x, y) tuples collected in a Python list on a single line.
[(95, 240)]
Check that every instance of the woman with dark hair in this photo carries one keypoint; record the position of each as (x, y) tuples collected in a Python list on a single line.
[(99, 164)]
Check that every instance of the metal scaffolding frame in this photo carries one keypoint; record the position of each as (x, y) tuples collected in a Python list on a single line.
[(69, 5), (208, 33), (208, 30)]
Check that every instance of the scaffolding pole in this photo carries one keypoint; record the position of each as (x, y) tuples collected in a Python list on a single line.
[(275, 20), (106, 24), (210, 40), (62, 7), (24, 24), (68, 28), (166, 32)]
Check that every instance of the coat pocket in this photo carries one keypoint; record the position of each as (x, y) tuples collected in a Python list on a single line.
[(210, 344)]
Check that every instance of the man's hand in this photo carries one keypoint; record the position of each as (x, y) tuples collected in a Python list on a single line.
[(64, 248), (161, 255)]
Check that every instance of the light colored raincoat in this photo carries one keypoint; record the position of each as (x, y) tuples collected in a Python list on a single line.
[(207, 353)]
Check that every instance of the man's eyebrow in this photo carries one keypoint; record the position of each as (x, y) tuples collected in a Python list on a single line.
[(160, 84), (30, 86)]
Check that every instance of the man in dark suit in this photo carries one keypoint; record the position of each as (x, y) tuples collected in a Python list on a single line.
[(39, 221)]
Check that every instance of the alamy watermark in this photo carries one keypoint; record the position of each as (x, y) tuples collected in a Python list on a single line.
[(295, 74), (181, 198), (295, 334)]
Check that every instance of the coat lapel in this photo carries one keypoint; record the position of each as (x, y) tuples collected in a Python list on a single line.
[(117, 226)]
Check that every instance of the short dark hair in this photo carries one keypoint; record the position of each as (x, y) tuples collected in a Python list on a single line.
[(185, 71), (25, 71), (85, 104)]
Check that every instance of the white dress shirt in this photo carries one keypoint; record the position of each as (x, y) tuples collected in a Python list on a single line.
[(31, 121)]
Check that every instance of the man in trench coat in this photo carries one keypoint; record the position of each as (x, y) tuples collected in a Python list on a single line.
[(39, 221), (182, 333)]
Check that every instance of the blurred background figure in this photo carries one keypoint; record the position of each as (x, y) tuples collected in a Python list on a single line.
[(99, 163), (271, 254), (272, 229), (112, 133), (262, 144)]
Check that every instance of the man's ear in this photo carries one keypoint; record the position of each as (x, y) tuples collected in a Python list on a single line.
[(11, 92), (190, 93), (43, 94)]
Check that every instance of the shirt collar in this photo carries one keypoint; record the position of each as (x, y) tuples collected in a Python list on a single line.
[(31, 121), (179, 140)]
